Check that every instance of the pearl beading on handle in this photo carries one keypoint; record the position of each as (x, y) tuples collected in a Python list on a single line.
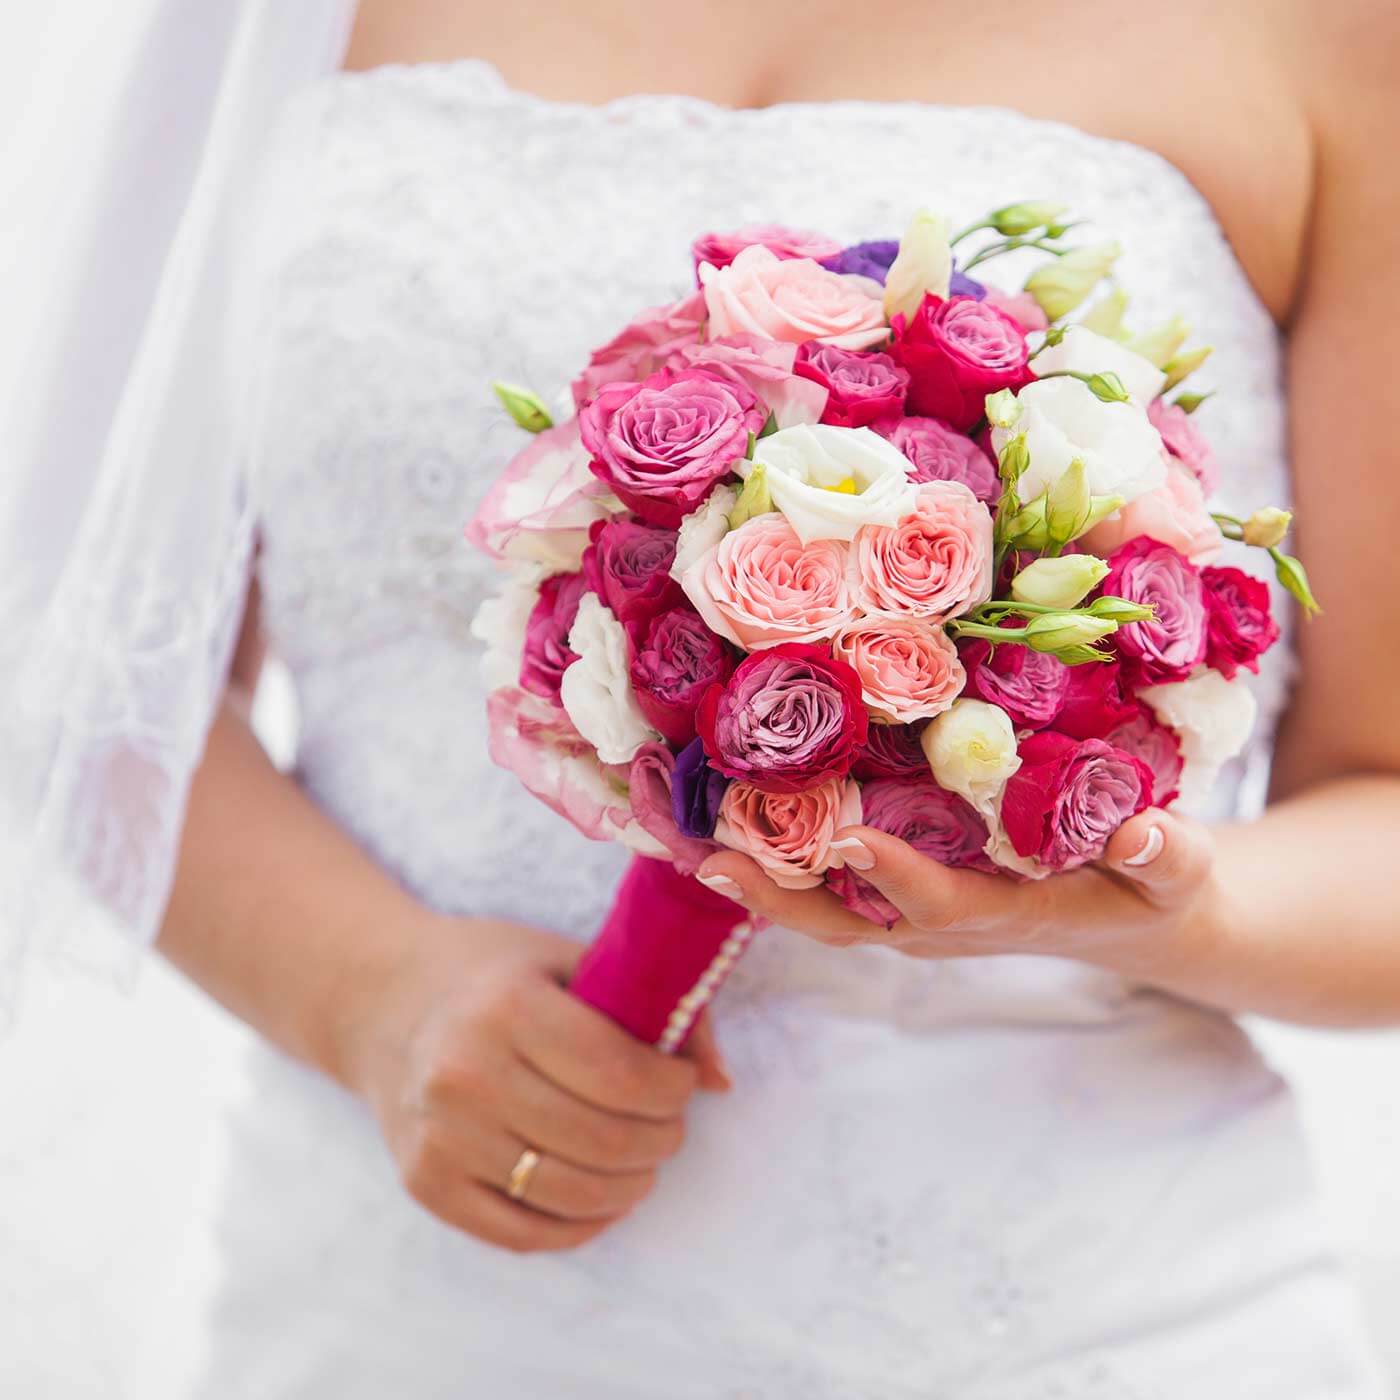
[(683, 1016)]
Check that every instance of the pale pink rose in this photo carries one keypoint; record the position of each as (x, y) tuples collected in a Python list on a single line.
[(540, 508), (1022, 307), (1175, 514), (720, 249), (642, 346), (765, 367), (934, 564), (649, 792), (789, 833), (793, 300), (760, 585), (1186, 442), (908, 670)]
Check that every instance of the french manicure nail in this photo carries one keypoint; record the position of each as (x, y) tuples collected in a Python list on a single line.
[(1151, 848), (858, 855), (722, 884)]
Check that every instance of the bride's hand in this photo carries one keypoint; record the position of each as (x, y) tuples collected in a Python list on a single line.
[(1151, 900), (474, 1051)]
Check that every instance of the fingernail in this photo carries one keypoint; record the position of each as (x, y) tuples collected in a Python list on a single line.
[(858, 855), (1151, 848), (722, 884)]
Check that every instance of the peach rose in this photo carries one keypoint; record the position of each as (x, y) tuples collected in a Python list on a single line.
[(935, 564), (1175, 514), (792, 299), (789, 833), (908, 670), (760, 585)]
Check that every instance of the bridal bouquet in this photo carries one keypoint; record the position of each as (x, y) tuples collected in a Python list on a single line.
[(846, 535)]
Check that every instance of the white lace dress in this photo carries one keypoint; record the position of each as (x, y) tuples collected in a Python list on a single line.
[(1009, 1179)]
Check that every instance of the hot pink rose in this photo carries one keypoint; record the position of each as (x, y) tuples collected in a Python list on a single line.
[(940, 454), (1186, 442), (957, 352), (1022, 307), (789, 833), (860, 386), (765, 367), (642, 346), (720, 249), (787, 719), (935, 564), (936, 823), (892, 751), (1146, 738), (1069, 796), (1093, 703), (1029, 685), (760, 585), (1175, 514), (675, 661), (649, 782), (1240, 626), (628, 565), (546, 655), (793, 300), (1173, 643), (664, 443), (908, 670)]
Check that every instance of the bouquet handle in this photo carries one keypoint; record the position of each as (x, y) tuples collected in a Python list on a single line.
[(664, 949)]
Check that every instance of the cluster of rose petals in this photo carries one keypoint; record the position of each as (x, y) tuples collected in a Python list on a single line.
[(650, 781), (1021, 307), (1029, 685), (1094, 702), (1069, 796), (546, 655), (792, 300), (789, 834), (1170, 645), (628, 565), (860, 386), (787, 719), (908, 670), (1175, 514), (1186, 442), (675, 660), (764, 367), (1145, 737), (761, 586), (642, 346), (937, 453), (1240, 627), (892, 751), (720, 249), (934, 564), (661, 445)]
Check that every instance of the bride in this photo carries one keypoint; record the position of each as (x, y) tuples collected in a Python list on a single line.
[(1018, 1152)]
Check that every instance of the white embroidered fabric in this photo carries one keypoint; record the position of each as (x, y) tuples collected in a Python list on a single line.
[(1010, 1179)]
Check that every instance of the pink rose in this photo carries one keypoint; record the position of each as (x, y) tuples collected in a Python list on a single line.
[(936, 823), (628, 565), (1069, 796), (1146, 738), (720, 249), (1175, 514), (765, 367), (760, 585), (1240, 627), (957, 352), (1093, 703), (1022, 307), (892, 751), (794, 300), (1029, 685), (788, 719), (935, 564), (546, 655), (1186, 442), (789, 833), (860, 386), (940, 454), (649, 784), (675, 661), (664, 443), (642, 346), (1172, 644), (908, 670)]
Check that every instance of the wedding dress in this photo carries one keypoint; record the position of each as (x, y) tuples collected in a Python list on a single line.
[(1001, 1179)]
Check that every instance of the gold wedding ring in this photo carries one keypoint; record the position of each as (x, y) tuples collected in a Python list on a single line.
[(521, 1174)]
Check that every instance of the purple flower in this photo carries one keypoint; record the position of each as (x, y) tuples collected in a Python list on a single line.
[(961, 285), (940, 454), (547, 655), (871, 259), (696, 792)]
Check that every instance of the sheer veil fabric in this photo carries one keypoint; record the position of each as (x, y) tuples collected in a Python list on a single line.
[(125, 535)]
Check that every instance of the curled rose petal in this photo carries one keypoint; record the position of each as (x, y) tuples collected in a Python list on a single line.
[(546, 654), (1145, 737), (642, 346), (720, 249), (1240, 626)]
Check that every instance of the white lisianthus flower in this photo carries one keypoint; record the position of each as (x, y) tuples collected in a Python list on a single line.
[(971, 749), (922, 267), (1213, 718), (830, 481), (500, 623), (1063, 421), (596, 690), (704, 528), (1086, 352)]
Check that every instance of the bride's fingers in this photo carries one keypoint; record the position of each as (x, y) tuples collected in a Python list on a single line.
[(1164, 857), (815, 912), (703, 1048)]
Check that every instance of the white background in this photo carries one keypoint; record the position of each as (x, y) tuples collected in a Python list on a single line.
[(109, 1105)]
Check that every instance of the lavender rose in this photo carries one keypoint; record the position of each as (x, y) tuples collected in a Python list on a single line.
[(628, 565), (546, 654), (664, 443), (940, 454), (1169, 646), (1029, 685), (861, 386), (676, 660), (1145, 737), (696, 792)]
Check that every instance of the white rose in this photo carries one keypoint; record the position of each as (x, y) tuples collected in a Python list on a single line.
[(1084, 351), (1063, 420), (500, 623), (972, 751), (703, 528), (830, 481), (1212, 717), (596, 690)]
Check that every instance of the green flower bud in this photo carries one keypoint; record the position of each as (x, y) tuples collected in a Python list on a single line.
[(1017, 219), (1014, 458), (1059, 286), (754, 497), (1180, 366), (1079, 656), (1100, 508), (1002, 409), (1120, 610), (1058, 583), (1161, 343), (923, 264), (1105, 316), (525, 407), (1060, 632), (1294, 578), (1067, 505), (1107, 387), (1267, 527)]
